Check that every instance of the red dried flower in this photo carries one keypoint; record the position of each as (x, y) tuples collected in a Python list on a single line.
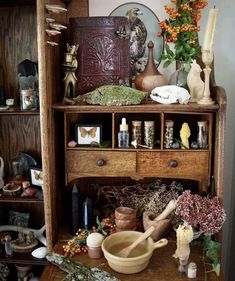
[(203, 213)]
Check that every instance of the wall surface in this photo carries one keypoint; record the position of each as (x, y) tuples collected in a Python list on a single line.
[(224, 43)]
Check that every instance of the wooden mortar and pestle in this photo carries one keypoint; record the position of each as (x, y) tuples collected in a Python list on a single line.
[(161, 223)]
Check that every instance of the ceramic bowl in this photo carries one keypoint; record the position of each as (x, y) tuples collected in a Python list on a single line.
[(126, 224), (139, 257), (125, 213)]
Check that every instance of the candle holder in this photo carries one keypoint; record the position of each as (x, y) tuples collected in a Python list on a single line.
[(207, 58)]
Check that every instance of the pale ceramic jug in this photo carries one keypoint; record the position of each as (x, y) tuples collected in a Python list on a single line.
[(1, 172)]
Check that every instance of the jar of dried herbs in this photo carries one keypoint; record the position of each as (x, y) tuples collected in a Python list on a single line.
[(202, 134), (137, 131), (168, 135), (149, 133)]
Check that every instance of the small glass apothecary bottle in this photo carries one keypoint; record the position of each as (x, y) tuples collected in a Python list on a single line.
[(168, 134), (192, 270), (149, 133), (27, 100), (123, 135), (202, 134), (137, 131), (94, 241)]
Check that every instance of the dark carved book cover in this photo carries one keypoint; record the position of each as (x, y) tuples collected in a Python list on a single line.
[(103, 56)]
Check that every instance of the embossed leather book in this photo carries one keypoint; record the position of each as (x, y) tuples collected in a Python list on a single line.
[(104, 52)]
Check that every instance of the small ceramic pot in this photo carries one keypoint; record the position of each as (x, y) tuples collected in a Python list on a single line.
[(126, 224), (141, 257), (125, 213)]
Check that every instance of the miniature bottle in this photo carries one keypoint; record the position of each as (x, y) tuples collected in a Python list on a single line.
[(192, 270), (202, 134), (123, 135), (94, 241), (168, 136), (149, 132), (76, 203), (137, 131)]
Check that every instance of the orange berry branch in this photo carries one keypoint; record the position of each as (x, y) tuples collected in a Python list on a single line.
[(78, 243), (182, 30)]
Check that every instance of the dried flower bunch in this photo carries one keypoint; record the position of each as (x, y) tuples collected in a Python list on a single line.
[(203, 213), (181, 29), (152, 196)]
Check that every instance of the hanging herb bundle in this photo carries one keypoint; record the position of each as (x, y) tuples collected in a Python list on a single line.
[(181, 29)]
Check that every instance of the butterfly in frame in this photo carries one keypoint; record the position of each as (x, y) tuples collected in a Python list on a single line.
[(38, 175), (86, 133)]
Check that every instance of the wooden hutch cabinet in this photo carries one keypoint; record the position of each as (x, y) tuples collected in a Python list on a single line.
[(47, 134)]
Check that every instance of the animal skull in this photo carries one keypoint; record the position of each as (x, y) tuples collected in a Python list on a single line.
[(170, 94)]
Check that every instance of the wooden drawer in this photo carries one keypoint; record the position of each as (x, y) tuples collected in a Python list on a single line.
[(100, 163), (176, 164)]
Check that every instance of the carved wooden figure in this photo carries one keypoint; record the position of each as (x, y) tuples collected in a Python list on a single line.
[(70, 65), (195, 83)]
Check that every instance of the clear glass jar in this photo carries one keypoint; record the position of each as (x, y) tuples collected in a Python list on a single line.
[(149, 133), (202, 134), (137, 131), (168, 135), (192, 270), (27, 101)]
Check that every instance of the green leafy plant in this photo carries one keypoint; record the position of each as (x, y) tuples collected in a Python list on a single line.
[(181, 29), (210, 250)]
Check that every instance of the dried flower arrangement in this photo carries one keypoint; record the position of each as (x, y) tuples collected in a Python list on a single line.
[(181, 29), (152, 196), (206, 215), (78, 243)]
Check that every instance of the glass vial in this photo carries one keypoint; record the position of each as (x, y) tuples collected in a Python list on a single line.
[(123, 135), (27, 99), (192, 270), (149, 132), (137, 131), (202, 134), (168, 135)]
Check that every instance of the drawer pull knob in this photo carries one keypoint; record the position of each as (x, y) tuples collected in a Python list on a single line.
[(173, 164), (100, 162)]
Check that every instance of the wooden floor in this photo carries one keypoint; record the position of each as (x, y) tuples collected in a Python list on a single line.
[(162, 267)]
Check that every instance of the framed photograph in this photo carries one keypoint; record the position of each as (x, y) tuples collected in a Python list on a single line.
[(36, 176), (88, 134)]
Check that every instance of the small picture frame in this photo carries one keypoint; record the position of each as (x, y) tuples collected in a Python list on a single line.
[(88, 134), (36, 176)]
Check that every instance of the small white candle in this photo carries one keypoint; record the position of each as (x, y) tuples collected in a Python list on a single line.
[(210, 29)]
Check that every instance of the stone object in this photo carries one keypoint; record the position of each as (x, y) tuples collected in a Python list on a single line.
[(185, 133), (72, 143), (194, 82), (40, 253), (111, 95), (170, 94)]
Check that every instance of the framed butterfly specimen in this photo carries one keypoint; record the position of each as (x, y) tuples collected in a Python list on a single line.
[(36, 176), (88, 134)]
